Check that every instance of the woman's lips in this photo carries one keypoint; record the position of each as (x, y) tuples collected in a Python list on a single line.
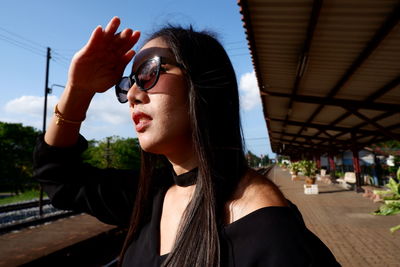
[(142, 121)]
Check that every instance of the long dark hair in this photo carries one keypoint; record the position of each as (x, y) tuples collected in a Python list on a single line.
[(217, 137)]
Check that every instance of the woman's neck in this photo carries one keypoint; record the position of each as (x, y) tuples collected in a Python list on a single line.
[(181, 168), (184, 165), (183, 160)]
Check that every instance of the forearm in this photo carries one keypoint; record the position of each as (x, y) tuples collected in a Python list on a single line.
[(73, 106), (71, 184), (93, 69)]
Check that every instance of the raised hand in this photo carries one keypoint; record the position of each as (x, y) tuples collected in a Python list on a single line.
[(101, 62)]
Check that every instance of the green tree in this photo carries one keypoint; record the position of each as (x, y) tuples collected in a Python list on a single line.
[(16, 148), (114, 152), (252, 159), (265, 161)]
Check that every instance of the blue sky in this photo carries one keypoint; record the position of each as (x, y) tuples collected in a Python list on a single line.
[(28, 27)]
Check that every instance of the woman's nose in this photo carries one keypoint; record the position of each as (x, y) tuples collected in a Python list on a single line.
[(136, 96)]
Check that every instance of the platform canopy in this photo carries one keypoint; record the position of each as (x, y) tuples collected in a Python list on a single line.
[(328, 71)]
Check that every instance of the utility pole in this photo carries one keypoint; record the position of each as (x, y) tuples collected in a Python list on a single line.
[(108, 153), (46, 88), (46, 92)]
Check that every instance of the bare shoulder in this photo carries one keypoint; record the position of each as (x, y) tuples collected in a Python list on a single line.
[(261, 192), (255, 191)]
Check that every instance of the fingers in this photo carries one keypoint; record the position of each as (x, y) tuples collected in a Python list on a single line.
[(124, 36), (126, 54), (111, 46), (125, 33), (128, 57), (119, 42), (125, 59), (95, 37), (135, 36), (112, 27), (108, 35), (128, 40)]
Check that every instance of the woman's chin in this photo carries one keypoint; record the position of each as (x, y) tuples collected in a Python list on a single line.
[(149, 146)]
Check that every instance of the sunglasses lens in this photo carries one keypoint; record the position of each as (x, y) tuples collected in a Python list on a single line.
[(122, 89), (147, 74), (146, 77)]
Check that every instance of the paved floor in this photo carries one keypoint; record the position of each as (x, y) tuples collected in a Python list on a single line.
[(23, 246), (342, 221)]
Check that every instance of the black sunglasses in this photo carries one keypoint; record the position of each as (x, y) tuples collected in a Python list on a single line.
[(145, 77)]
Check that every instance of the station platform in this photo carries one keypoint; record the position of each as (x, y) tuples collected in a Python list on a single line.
[(25, 246), (342, 220)]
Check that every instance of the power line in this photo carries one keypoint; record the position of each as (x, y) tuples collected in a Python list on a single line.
[(22, 42), (236, 48), (22, 45), (60, 60), (234, 42), (23, 38), (256, 138), (68, 50), (60, 63), (61, 56), (238, 55), (31, 46), (19, 42)]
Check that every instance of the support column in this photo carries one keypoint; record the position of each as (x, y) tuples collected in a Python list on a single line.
[(332, 166), (317, 157), (356, 165)]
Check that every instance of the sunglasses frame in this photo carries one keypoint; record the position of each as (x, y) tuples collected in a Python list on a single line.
[(133, 79)]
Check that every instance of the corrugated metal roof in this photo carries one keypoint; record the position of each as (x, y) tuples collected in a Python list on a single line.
[(328, 71)]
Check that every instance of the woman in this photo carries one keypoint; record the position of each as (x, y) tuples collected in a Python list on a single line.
[(195, 201)]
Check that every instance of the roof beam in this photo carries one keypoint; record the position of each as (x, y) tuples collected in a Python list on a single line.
[(375, 124), (375, 41), (314, 146), (386, 88), (326, 133), (311, 137), (323, 126), (375, 139), (341, 102), (289, 149), (303, 58), (362, 124), (299, 148)]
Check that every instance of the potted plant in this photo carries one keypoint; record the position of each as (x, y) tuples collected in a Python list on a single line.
[(309, 169), (391, 200), (295, 168)]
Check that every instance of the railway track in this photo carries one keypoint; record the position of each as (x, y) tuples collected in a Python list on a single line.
[(22, 215), (263, 170), (24, 205)]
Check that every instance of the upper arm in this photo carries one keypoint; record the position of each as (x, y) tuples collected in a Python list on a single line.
[(274, 237), (268, 237)]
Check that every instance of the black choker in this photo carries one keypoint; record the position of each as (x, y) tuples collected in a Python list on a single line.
[(185, 179)]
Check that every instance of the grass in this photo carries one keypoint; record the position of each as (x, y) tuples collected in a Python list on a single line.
[(27, 195)]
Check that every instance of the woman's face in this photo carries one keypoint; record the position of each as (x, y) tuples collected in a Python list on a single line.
[(160, 115)]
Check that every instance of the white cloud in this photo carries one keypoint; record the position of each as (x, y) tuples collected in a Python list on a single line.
[(106, 109), (249, 92), (28, 110), (29, 105), (106, 116)]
